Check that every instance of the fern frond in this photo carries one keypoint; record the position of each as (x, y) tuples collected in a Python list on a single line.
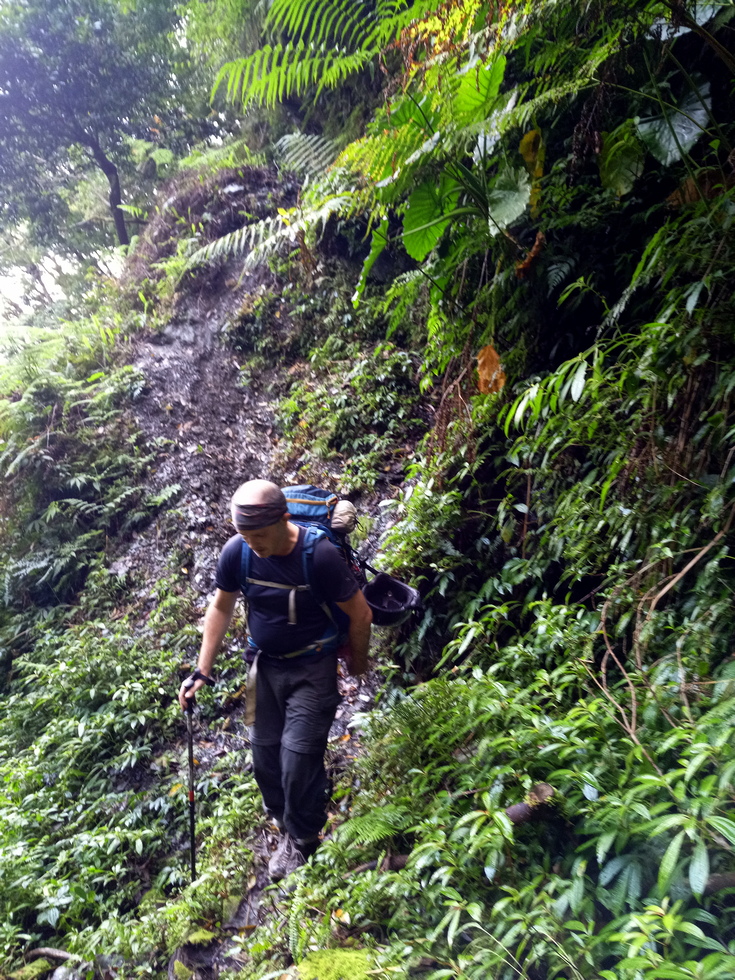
[(342, 23), (333, 40), (163, 496), (315, 220), (319, 21), (264, 238), (237, 242), (392, 19), (339, 66), (218, 157), (274, 73), (378, 158), (311, 154), (560, 272), (377, 825)]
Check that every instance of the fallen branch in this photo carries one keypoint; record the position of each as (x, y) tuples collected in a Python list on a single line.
[(46, 952)]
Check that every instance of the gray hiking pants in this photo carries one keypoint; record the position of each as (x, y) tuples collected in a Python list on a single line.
[(296, 704)]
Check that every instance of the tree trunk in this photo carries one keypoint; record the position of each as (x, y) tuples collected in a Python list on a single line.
[(109, 169)]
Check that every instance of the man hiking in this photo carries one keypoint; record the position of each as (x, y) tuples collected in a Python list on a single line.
[(293, 644)]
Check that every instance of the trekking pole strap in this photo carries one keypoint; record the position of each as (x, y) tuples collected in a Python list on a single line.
[(198, 676)]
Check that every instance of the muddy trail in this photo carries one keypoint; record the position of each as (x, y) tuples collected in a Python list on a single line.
[(210, 433)]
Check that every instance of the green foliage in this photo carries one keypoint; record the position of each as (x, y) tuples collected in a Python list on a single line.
[(70, 462), (90, 794), (361, 409), (330, 42), (569, 535), (308, 154), (77, 80)]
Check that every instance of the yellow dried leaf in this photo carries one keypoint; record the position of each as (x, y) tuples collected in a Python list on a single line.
[(529, 148), (533, 150), (491, 376), (174, 789)]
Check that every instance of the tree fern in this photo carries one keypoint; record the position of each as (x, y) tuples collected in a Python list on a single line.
[(332, 39), (308, 154)]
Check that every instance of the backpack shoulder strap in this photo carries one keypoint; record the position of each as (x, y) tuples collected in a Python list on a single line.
[(246, 556), (312, 535)]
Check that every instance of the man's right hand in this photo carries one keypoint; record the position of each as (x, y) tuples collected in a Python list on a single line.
[(187, 693)]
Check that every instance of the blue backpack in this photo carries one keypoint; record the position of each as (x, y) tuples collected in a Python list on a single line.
[(312, 508)]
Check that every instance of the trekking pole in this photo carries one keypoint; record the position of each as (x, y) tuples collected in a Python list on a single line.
[(192, 817)]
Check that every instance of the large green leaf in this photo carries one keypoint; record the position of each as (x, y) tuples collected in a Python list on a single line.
[(621, 160), (477, 91), (668, 862), (699, 869), (408, 109), (427, 216), (674, 132), (508, 199), (724, 826)]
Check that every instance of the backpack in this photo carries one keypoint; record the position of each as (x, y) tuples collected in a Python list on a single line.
[(314, 509)]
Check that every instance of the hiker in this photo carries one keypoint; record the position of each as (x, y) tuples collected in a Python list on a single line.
[(293, 646)]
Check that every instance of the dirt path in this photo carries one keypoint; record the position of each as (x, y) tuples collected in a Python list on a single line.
[(211, 434)]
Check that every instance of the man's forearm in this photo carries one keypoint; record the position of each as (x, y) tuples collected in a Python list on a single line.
[(359, 646), (216, 623)]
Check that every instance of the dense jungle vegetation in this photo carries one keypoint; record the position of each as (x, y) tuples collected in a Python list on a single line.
[(489, 281)]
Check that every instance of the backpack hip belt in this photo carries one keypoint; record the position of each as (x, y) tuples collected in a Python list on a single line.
[(251, 684)]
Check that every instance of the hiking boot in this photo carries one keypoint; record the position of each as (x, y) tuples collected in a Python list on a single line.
[(274, 819), (286, 858)]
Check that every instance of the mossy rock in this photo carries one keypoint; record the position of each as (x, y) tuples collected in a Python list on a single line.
[(32, 970), (336, 964), (200, 937)]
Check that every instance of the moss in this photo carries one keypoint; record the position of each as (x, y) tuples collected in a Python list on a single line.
[(201, 937), (32, 970), (336, 964)]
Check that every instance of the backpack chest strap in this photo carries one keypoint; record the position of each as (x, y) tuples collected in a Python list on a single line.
[(314, 534), (292, 590)]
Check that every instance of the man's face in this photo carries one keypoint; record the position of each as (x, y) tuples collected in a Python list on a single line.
[(266, 540)]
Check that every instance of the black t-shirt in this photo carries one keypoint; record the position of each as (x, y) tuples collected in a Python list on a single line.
[(268, 608)]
